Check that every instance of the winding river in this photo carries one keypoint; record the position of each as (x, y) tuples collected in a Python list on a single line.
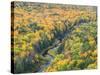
[(57, 44)]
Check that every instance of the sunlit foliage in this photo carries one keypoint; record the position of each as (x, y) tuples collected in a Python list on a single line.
[(63, 35)]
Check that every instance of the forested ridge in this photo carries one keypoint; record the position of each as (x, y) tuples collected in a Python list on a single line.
[(53, 37)]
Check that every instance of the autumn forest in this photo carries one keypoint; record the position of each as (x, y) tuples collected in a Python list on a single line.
[(50, 37)]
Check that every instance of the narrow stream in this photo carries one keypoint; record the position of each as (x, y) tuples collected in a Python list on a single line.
[(50, 57), (56, 47)]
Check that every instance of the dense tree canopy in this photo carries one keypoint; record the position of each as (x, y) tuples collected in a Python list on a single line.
[(53, 37)]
